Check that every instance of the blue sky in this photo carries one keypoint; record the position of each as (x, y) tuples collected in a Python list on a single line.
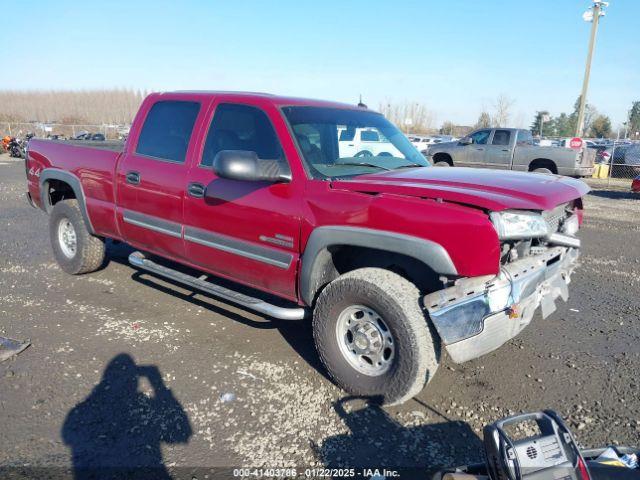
[(456, 56)]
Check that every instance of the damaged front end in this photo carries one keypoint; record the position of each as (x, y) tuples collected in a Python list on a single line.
[(477, 315)]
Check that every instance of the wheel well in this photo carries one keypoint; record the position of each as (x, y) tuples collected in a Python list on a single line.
[(543, 163), (58, 190), (337, 260), (443, 157)]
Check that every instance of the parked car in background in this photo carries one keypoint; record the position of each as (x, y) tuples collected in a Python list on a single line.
[(624, 159), (360, 142), (422, 143), (96, 137), (511, 149), (446, 138)]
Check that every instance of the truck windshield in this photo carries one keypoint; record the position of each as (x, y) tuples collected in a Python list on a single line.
[(342, 143)]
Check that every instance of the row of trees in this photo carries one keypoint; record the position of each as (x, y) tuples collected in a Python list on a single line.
[(596, 125), (118, 106), (115, 106)]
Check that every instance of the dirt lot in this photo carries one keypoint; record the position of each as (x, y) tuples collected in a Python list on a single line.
[(125, 367)]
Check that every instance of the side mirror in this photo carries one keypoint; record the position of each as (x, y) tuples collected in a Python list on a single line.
[(246, 166), (465, 141)]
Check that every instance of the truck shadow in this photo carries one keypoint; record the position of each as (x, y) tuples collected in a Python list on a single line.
[(297, 333), (376, 440), (614, 194), (117, 430)]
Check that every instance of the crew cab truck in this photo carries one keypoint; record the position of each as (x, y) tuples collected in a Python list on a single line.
[(511, 149), (394, 260)]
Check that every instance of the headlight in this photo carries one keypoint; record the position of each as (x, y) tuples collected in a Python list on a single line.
[(571, 225), (512, 225)]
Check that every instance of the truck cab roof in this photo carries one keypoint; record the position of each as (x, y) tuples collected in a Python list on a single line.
[(259, 98)]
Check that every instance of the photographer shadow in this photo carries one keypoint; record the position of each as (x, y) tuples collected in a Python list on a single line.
[(376, 440), (117, 431)]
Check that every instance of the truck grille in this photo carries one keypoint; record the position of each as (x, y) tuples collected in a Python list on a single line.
[(557, 216)]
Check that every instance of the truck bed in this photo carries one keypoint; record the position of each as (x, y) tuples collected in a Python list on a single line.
[(114, 145), (92, 163)]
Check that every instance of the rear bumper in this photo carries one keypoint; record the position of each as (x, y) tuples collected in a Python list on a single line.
[(576, 171), (478, 315), (30, 200)]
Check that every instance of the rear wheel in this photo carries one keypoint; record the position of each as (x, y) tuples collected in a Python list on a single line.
[(542, 170), (74, 248), (442, 164), (373, 337)]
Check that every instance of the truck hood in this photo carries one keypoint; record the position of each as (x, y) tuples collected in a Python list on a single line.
[(488, 189)]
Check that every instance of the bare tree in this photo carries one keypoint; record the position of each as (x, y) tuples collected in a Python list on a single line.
[(409, 116), (484, 120), (502, 107)]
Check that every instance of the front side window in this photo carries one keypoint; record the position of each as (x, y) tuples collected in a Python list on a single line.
[(374, 143), (241, 127), (480, 137), (501, 137), (167, 130), (369, 136)]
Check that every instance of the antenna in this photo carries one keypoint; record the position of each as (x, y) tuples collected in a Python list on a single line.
[(360, 104)]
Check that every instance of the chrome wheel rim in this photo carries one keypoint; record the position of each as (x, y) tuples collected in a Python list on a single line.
[(67, 238), (365, 340)]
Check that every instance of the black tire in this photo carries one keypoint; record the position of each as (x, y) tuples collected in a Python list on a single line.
[(397, 301), (542, 170), (442, 163), (363, 153), (90, 250)]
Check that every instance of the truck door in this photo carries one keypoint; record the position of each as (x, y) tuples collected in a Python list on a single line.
[(242, 230), (499, 151), (473, 154), (151, 178)]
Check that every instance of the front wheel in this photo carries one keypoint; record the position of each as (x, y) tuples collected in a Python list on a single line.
[(74, 248), (373, 337)]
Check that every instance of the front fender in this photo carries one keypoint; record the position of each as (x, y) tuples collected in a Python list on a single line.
[(428, 252)]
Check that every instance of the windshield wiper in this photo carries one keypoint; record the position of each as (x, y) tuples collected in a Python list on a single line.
[(410, 165), (358, 164)]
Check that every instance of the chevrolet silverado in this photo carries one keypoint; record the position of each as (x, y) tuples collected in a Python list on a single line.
[(394, 261)]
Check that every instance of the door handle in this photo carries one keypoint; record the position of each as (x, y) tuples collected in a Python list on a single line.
[(133, 178), (480, 149), (506, 150), (196, 190)]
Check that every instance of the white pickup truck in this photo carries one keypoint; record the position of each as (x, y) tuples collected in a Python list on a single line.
[(364, 142), (512, 149)]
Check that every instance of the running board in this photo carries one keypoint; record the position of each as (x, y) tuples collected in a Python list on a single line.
[(137, 259)]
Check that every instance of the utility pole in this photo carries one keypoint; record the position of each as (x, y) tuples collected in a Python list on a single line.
[(592, 15)]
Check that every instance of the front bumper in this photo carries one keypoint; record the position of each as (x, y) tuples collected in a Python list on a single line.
[(478, 315)]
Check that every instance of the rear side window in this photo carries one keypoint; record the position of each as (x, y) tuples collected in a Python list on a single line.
[(167, 130), (525, 137), (501, 137), (241, 127)]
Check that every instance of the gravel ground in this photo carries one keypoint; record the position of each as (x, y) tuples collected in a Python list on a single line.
[(127, 368)]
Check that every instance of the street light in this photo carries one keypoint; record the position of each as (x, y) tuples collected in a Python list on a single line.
[(592, 15)]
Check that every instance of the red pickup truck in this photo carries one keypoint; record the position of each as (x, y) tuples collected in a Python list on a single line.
[(394, 260)]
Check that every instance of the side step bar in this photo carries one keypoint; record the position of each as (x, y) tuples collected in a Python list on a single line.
[(137, 259)]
